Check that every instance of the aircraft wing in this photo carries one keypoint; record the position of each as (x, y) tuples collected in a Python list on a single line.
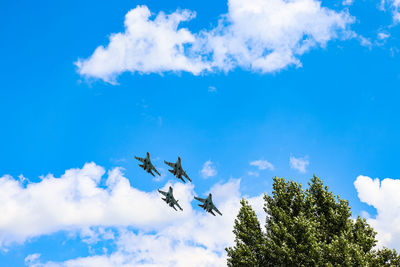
[(215, 208), (186, 176), (169, 163), (139, 159), (155, 170), (202, 200), (162, 192)]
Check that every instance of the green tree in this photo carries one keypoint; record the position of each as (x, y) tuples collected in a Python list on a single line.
[(249, 239), (309, 227), (385, 257), (291, 238)]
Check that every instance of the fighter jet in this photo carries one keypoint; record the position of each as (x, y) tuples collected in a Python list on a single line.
[(169, 198), (208, 205), (147, 166), (177, 169)]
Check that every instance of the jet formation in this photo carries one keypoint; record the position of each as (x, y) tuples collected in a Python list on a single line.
[(207, 203)]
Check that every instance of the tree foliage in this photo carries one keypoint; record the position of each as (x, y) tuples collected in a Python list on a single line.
[(309, 227)]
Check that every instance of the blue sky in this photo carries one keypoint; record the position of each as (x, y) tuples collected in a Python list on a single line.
[(335, 106)]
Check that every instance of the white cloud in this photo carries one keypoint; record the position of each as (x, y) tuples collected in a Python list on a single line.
[(23, 179), (383, 35), (257, 203), (149, 250), (262, 164), (76, 201), (195, 240), (385, 198), (347, 2), (144, 230), (258, 35), (267, 36), (146, 46), (251, 173), (32, 258), (208, 170), (165, 237), (394, 6), (299, 164), (365, 41)]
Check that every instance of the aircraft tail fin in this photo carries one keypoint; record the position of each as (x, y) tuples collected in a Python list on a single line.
[(200, 205)]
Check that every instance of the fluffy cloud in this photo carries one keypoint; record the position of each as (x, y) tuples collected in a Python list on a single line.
[(385, 198), (208, 169), (267, 36), (394, 6), (143, 250), (383, 35), (101, 207), (299, 164), (262, 164), (145, 46), (192, 239), (259, 35), (77, 201)]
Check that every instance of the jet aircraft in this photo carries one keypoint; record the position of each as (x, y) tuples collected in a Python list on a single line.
[(177, 169), (169, 198), (208, 205), (147, 165)]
